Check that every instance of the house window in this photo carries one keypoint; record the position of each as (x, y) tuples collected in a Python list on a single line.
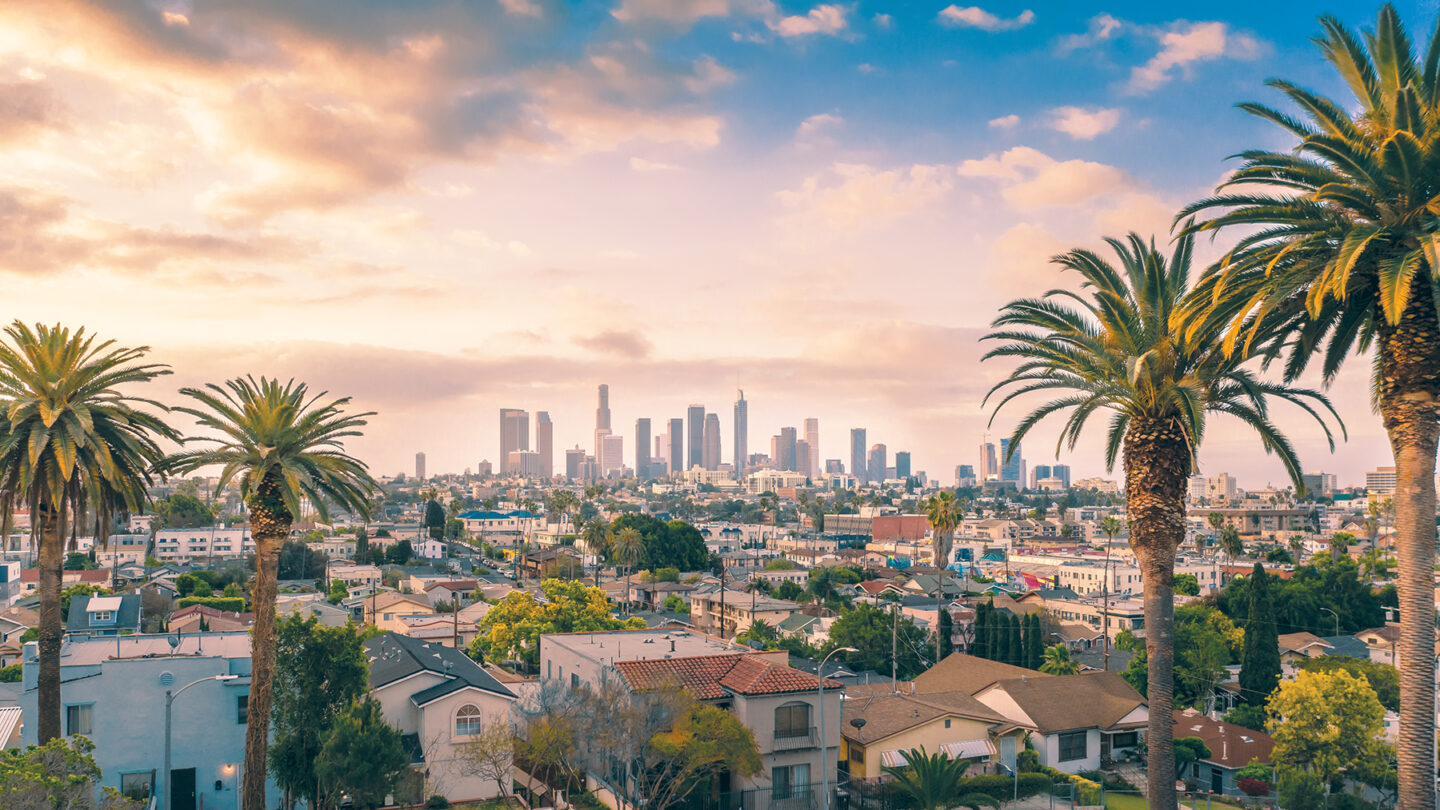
[(468, 721), (242, 709), (792, 720), (1129, 739), (1072, 745), (947, 722), (79, 719), (101, 616), (857, 753), (788, 782), (136, 786)]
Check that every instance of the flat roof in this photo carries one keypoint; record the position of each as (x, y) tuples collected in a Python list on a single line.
[(642, 645), (81, 650)]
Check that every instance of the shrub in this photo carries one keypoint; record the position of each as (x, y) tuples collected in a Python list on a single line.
[(234, 604), (1003, 787), (1253, 787), (437, 802)]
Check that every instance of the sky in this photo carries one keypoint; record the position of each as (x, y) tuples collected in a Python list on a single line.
[(442, 209)]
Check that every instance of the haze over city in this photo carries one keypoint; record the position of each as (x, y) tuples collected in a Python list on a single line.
[(821, 204)]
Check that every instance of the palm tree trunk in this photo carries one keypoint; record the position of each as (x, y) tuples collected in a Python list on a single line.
[(262, 669), (1157, 464), (50, 555)]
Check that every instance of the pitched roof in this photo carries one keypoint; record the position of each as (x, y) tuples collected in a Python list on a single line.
[(1061, 703), (967, 673), (387, 599), (393, 657), (887, 713), (1299, 641), (125, 606), (1231, 746), (454, 585), (1347, 645), (708, 677)]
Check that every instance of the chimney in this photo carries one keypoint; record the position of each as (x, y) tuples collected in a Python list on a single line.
[(672, 645)]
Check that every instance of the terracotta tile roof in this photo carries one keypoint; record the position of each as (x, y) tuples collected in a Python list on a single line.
[(1231, 746), (708, 677)]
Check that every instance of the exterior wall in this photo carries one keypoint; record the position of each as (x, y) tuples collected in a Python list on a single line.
[(184, 544), (391, 618), (757, 713), (1048, 747), (930, 735), (443, 748)]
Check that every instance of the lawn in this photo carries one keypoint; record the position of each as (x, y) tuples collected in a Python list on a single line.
[(1131, 801)]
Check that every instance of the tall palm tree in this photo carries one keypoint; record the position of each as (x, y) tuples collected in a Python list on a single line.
[(285, 447), (1297, 546), (1058, 661), (629, 548), (71, 438), (1339, 256), (944, 514), (1230, 543), (1124, 345), (1217, 522), (596, 536)]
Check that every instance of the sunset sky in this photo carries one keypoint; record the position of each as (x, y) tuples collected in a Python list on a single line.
[(446, 208)]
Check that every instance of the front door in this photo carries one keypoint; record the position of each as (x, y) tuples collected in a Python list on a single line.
[(182, 789), (1217, 780)]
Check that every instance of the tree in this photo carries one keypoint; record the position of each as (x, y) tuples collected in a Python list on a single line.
[(788, 590), (319, 672), (1187, 584), (869, 630), (1015, 653), (283, 446), (182, 510), (1058, 661), (1128, 345), (933, 781), (1383, 678), (512, 628), (1297, 788), (1338, 257), (675, 604), (1230, 542), (57, 775), (761, 633), (1034, 642), (1260, 662), (490, 754), (676, 544), (1251, 717), (1188, 750), (78, 561), (338, 592), (944, 514), (1325, 722), (399, 552), (74, 439), (300, 561), (362, 545), (362, 757), (628, 547)]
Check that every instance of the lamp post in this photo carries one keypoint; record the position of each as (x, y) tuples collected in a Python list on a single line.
[(1337, 619), (1015, 772), (820, 692), (169, 699)]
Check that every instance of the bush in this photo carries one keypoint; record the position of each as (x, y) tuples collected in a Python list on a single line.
[(437, 802), (1253, 787), (1028, 761), (10, 674), (1300, 789), (234, 604), (1003, 787)]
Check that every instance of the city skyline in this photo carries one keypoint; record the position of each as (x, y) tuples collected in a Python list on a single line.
[(445, 209)]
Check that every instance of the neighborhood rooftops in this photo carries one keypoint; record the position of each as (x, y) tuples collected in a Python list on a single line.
[(969, 674), (1101, 700), (393, 657), (708, 677)]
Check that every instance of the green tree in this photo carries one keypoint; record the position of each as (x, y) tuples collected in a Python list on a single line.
[(1260, 662), (1058, 661), (283, 446), (1338, 256), (628, 547), (10, 674), (1015, 651), (787, 590), (676, 544), (1188, 750), (361, 757), (399, 552), (511, 630), (980, 639), (183, 511), (75, 439), (338, 592), (704, 743), (1251, 717), (1034, 642), (79, 589), (944, 514), (1187, 584), (934, 781), (1383, 678), (57, 775), (1325, 722), (675, 604), (869, 630), (319, 672), (1129, 347), (1300, 789)]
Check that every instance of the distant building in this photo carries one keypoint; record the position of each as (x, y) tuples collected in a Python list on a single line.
[(575, 463), (524, 462), (1012, 465), (1319, 483), (1061, 471), (857, 454), (1213, 489), (802, 459), (695, 436), (902, 464), (677, 446), (642, 448), (964, 475), (742, 434), (514, 435), (545, 444), (420, 466), (203, 542), (812, 438), (104, 615), (612, 450), (987, 468), (710, 455), (1381, 481), (875, 465)]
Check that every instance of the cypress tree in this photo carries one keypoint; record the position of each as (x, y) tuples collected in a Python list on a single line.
[(1260, 657), (1034, 642), (979, 647), (999, 636), (1017, 643)]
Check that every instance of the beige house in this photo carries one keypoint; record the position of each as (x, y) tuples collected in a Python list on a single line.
[(951, 723), (387, 610), (728, 612)]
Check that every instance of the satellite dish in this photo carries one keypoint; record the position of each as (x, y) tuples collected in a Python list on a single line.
[(173, 641), (858, 722)]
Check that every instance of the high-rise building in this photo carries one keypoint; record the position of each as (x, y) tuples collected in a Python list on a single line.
[(602, 409), (987, 469), (612, 454), (802, 458), (1380, 482), (742, 434), (964, 475), (545, 444), (514, 435), (857, 454), (1061, 471), (677, 446), (660, 462), (575, 463), (876, 463), (783, 451), (1012, 466), (1319, 483), (420, 466), (642, 448), (834, 466), (812, 438), (695, 436), (524, 462), (902, 464), (484, 469), (710, 454), (1037, 472)]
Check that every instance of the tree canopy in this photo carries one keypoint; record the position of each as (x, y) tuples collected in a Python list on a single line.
[(512, 628), (362, 757), (1324, 722), (869, 629), (675, 544)]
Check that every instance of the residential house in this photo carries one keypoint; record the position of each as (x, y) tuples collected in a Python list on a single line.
[(451, 590), (388, 609), (1077, 722), (104, 615), (652, 595), (10, 645), (325, 613), (775, 577), (354, 576), (1297, 646), (30, 579), (439, 700), (538, 563), (728, 612), (1231, 747), (950, 723), (198, 618), (442, 628)]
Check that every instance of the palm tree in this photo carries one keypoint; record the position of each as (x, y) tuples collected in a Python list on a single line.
[(1217, 522), (629, 548), (1058, 661), (932, 781), (1231, 543), (1297, 547), (1111, 526), (1339, 256), (71, 438), (943, 512), (1126, 346), (596, 536), (285, 447)]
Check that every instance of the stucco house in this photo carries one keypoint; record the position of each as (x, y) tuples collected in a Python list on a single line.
[(950, 723), (1077, 722)]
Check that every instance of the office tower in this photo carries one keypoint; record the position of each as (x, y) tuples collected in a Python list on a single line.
[(612, 454), (484, 469), (742, 434), (834, 466), (875, 465), (524, 462), (784, 451), (545, 444), (987, 468), (902, 464), (660, 462), (677, 446), (602, 411), (710, 456), (802, 458), (964, 475), (857, 454), (514, 435), (1061, 471), (420, 466), (1012, 467), (812, 438), (642, 448), (695, 436), (574, 463), (1036, 473)]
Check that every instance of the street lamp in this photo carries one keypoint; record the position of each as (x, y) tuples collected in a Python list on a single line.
[(819, 691), (1337, 619), (1015, 772), (170, 698)]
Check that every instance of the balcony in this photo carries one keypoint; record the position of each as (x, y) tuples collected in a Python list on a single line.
[(791, 739)]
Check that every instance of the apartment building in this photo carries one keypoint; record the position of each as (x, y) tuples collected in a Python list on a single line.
[(203, 543), (727, 612)]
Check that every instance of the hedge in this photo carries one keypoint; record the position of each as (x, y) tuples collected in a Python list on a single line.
[(233, 604), (1003, 787)]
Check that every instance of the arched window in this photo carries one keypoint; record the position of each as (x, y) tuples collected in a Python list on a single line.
[(792, 720), (468, 721)]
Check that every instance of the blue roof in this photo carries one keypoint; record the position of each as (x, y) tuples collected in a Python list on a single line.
[(476, 514)]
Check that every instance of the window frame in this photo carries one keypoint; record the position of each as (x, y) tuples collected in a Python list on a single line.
[(242, 709), (473, 724), (1066, 739), (789, 730), (149, 777), (88, 714)]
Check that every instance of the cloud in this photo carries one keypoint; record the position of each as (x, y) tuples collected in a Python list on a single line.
[(1102, 28), (815, 127), (1084, 124), (823, 19), (976, 17), (628, 343), (1184, 45), (1005, 121), (523, 8), (849, 195), (640, 164), (883, 20), (1030, 179), (27, 108)]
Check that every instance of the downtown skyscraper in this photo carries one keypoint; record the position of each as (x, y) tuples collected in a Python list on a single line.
[(695, 437), (710, 457), (602, 419), (812, 441), (857, 455), (742, 433), (514, 437), (545, 444), (677, 446), (642, 448)]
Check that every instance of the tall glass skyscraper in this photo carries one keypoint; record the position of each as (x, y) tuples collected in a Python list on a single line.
[(857, 455), (742, 433), (695, 436)]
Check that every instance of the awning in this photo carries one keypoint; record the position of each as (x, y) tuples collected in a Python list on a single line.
[(892, 759), (969, 749)]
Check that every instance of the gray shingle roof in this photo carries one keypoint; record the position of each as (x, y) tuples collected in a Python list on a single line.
[(393, 656)]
